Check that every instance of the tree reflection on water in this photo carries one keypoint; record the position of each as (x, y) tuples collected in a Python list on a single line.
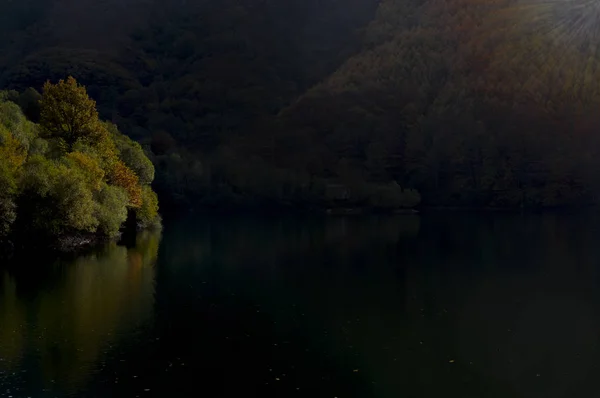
[(73, 320)]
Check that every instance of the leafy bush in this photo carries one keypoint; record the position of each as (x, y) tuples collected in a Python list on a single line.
[(147, 214), (111, 209), (8, 189)]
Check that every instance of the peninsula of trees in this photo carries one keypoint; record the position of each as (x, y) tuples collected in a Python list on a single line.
[(66, 175)]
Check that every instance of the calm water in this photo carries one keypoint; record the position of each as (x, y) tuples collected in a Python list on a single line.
[(436, 306)]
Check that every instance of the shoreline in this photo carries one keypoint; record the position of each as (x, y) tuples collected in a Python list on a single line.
[(73, 245), (68, 245)]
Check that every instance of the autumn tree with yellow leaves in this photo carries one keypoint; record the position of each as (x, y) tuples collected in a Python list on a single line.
[(68, 113)]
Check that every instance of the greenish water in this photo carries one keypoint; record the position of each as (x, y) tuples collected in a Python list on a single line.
[(406, 306)]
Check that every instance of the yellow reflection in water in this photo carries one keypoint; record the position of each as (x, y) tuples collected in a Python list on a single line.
[(73, 322), (12, 317)]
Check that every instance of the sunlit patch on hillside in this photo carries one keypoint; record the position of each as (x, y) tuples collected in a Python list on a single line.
[(570, 22), (540, 50), (569, 26)]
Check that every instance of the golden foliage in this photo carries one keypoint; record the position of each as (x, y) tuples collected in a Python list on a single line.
[(90, 168), (148, 211), (105, 147), (100, 146), (68, 112), (12, 153), (122, 176)]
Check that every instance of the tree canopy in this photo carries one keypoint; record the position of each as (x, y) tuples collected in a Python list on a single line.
[(67, 176), (67, 112)]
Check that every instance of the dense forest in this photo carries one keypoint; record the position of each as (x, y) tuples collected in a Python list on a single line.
[(322, 103), (70, 178)]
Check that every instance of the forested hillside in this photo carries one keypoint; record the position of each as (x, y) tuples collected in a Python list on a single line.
[(323, 103), (474, 104)]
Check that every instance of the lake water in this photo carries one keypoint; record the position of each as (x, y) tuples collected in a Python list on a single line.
[(407, 306)]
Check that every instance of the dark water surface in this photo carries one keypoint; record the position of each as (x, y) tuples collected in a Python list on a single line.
[(407, 306)]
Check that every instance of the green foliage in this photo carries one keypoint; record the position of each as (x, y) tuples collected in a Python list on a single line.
[(9, 95), (67, 112), (73, 181), (39, 146), (8, 189), (58, 198), (111, 209), (88, 167), (36, 176), (14, 121), (74, 201), (101, 147), (132, 154), (147, 214), (12, 152)]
